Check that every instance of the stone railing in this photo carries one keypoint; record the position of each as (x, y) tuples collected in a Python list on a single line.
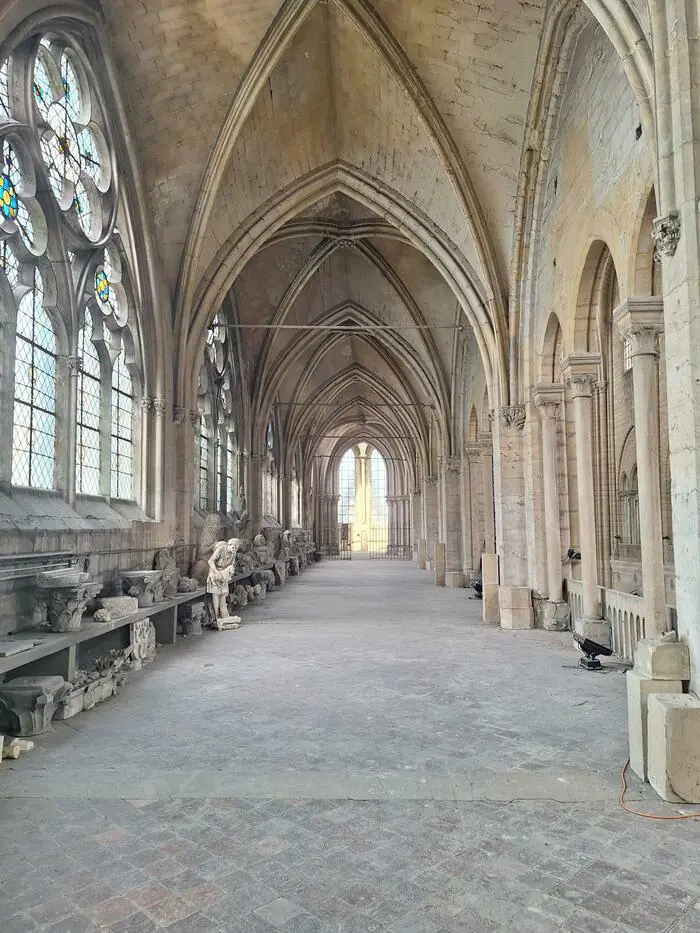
[(623, 611)]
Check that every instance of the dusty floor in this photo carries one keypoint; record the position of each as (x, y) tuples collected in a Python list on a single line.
[(364, 755)]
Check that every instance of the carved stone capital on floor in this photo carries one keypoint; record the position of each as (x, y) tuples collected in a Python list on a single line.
[(160, 406), (548, 398), (666, 234), (512, 417), (451, 464)]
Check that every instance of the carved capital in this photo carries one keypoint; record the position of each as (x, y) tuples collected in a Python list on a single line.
[(146, 404), (643, 339), (430, 480), (513, 417), (180, 415), (159, 407), (195, 419), (473, 452), (666, 234), (450, 464), (581, 384), (640, 321), (75, 365), (548, 398)]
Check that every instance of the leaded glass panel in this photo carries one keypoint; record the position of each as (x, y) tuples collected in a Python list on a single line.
[(122, 433), (203, 465), (34, 419), (87, 459)]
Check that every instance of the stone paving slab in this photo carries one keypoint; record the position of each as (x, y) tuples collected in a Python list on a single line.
[(324, 770)]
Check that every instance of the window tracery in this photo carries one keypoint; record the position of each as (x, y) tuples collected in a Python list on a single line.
[(54, 138)]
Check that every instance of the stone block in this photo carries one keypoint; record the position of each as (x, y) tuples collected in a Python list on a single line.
[(489, 593), (454, 579), (515, 597), (673, 750), (119, 606), (489, 569), (596, 630), (517, 618), (552, 616), (639, 687), (663, 657), (440, 566)]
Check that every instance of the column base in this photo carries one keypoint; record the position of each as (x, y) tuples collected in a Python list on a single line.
[(551, 616), (674, 746), (454, 579), (489, 598), (515, 607), (639, 687), (439, 564)]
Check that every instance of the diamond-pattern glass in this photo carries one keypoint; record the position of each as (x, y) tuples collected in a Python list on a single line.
[(9, 263), (4, 90), (34, 421), (87, 454), (122, 448), (203, 465)]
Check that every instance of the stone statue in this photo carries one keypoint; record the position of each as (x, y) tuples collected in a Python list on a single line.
[(222, 568), (239, 515), (165, 562), (285, 548)]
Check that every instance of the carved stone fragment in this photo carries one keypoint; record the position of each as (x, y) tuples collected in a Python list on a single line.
[(27, 704)]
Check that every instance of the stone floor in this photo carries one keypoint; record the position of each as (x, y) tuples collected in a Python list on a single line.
[(363, 756)]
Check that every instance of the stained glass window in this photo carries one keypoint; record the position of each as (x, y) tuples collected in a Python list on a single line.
[(379, 485), (87, 459), (203, 465), (72, 94), (44, 85), (122, 461), (90, 154), (104, 292), (12, 208), (4, 90), (34, 417), (83, 208), (346, 488)]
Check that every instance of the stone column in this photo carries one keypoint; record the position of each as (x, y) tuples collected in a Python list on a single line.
[(158, 448), (485, 442), (256, 464), (640, 321), (184, 457), (581, 372), (144, 457), (468, 504), (75, 367), (600, 396), (286, 509), (514, 595), (451, 475), (548, 398), (430, 503), (416, 522)]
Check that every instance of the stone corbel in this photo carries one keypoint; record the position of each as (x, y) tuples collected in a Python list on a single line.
[(180, 415), (512, 417), (666, 234), (146, 405)]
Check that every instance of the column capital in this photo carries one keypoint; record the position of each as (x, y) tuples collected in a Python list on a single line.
[(146, 404), (195, 418), (485, 440), (430, 480), (450, 464), (472, 452), (180, 415), (581, 371), (640, 321), (75, 365), (548, 398), (159, 407), (666, 234), (512, 417)]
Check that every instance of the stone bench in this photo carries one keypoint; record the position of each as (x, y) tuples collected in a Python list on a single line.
[(60, 653)]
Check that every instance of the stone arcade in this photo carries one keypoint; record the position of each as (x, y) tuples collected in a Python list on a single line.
[(337, 279)]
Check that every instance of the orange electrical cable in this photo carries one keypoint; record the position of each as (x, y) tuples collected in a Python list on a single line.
[(648, 816)]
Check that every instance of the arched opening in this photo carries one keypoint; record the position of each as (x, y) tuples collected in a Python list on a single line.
[(364, 527)]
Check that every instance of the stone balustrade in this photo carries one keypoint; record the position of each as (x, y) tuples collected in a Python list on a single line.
[(624, 612)]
